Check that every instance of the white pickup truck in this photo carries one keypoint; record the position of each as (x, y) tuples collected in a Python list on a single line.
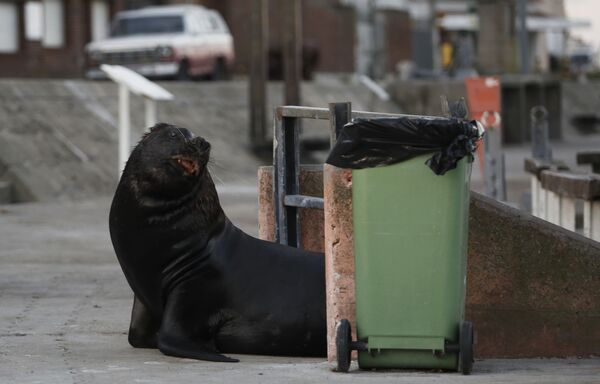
[(181, 42)]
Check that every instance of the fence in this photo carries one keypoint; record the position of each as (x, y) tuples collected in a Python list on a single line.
[(556, 191), (286, 161), (130, 81)]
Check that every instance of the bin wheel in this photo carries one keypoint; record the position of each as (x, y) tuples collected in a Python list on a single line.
[(465, 355), (343, 339)]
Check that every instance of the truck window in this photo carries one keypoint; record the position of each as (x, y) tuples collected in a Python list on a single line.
[(216, 22), (127, 26)]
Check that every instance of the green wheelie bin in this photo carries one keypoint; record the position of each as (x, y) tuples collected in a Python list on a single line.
[(410, 245)]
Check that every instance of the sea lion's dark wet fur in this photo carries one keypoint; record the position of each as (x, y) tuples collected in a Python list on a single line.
[(201, 285)]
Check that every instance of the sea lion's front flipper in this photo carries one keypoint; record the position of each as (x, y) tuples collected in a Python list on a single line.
[(185, 332), (143, 329)]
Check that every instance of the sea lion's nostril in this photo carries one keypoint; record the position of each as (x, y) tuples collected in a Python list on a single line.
[(201, 144)]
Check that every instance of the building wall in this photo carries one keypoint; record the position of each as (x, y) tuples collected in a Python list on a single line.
[(326, 26), (32, 59), (398, 45), (329, 27), (553, 8), (498, 40), (496, 44)]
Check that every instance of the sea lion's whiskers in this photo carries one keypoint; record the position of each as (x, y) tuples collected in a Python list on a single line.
[(214, 174), (217, 165), (182, 135)]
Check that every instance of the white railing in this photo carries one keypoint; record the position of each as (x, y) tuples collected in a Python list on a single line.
[(555, 192), (375, 88), (130, 81)]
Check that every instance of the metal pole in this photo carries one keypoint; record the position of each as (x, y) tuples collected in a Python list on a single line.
[(435, 53), (151, 113), (363, 56), (286, 168), (372, 40), (494, 169), (340, 114), (523, 36), (258, 73), (124, 127), (540, 142), (292, 50)]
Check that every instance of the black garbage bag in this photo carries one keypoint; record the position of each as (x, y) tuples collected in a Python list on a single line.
[(368, 143)]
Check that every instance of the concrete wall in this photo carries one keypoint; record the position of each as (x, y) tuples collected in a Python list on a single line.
[(58, 138), (311, 184), (532, 287)]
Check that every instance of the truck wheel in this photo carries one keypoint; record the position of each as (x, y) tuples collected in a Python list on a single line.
[(220, 71), (183, 73), (343, 340)]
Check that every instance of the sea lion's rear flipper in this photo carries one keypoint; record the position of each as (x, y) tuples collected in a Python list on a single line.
[(143, 329), (185, 332), (182, 347)]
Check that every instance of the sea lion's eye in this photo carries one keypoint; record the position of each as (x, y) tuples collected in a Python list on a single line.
[(172, 134)]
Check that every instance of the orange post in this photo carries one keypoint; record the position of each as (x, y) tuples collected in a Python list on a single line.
[(483, 97)]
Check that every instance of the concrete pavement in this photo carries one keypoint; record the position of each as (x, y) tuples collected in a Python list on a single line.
[(65, 309)]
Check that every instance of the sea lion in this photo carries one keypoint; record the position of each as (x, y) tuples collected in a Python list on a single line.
[(202, 286)]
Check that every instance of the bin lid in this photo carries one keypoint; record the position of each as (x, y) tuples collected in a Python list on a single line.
[(368, 143)]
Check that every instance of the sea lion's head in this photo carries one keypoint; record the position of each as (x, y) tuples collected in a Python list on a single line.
[(169, 161)]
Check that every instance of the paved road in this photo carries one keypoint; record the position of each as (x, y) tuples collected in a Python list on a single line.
[(65, 310)]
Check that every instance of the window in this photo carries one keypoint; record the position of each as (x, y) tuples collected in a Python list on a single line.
[(202, 22), (34, 20), (193, 25), (100, 20), (9, 33), (216, 22), (147, 25), (44, 21), (54, 36)]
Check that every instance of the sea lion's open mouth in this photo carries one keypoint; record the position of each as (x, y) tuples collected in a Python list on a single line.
[(190, 166)]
